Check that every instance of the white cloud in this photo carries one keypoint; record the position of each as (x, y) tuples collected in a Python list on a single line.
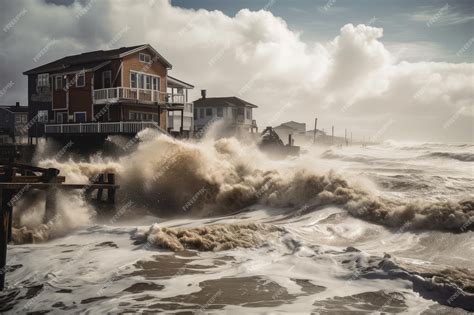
[(257, 56)]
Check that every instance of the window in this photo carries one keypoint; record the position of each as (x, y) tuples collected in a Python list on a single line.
[(208, 112), (79, 117), (43, 80), (106, 79), (42, 116), (24, 118), (144, 58), (156, 84), (59, 82), (133, 116), (18, 118), (61, 117), (248, 113), (201, 112), (140, 81), (80, 79), (220, 112), (133, 80), (148, 82)]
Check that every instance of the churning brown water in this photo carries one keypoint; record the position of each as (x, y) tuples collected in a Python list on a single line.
[(217, 225)]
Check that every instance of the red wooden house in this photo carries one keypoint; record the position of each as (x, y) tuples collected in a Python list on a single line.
[(119, 91)]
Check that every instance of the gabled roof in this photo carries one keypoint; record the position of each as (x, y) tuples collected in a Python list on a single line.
[(14, 109), (289, 123), (283, 126), (223, 101), (92, 59)]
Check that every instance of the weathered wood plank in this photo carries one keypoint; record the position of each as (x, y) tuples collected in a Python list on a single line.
[(4, 222), (17, 186)]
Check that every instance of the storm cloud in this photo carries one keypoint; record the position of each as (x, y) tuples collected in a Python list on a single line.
[(353, 81)]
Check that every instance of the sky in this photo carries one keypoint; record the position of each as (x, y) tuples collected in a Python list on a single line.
[(399, 70)]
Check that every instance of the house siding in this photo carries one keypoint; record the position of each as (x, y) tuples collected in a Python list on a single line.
[(132, 63), (80, 98), (34, 105)]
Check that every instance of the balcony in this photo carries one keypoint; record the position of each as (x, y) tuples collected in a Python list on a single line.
[(117, 94), (109, 128)]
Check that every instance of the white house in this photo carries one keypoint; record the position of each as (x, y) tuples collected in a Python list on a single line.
[(235, 111)]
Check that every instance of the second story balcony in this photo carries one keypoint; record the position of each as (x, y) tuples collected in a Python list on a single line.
[(122, 94)]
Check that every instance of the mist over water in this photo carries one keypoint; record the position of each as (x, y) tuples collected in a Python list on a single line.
[(391, 224)]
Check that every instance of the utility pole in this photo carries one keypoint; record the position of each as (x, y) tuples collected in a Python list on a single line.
[(332, 135), (315, 125), (345, 136)]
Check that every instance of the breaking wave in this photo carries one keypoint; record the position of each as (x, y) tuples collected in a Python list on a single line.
[(169, 177), (463, 157), (445, 284), (207, 238)]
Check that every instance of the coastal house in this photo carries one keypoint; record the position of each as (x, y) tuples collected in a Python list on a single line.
[(13, 123), (236, 112), (104, 92), (299, 133), (295, 129)]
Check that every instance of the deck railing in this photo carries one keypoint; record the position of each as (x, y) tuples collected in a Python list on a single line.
[(115, 94), (119, 127)]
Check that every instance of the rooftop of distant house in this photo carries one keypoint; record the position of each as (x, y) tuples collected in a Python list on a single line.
[(15, 108), (232, 101)]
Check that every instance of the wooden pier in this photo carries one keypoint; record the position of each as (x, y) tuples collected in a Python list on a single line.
[(18, 179)]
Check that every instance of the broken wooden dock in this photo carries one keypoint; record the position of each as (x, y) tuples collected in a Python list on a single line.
[(17, 179)]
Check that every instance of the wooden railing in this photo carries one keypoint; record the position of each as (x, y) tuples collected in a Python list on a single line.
[(112, 95), (119, 127)]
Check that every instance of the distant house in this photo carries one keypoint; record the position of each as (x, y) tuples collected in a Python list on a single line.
[(119, 91), (13, 122), (233, 110), (296, 129), (298, 132)]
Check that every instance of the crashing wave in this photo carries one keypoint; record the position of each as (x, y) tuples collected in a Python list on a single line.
[(207, 238), (463, 157), (214, 177)]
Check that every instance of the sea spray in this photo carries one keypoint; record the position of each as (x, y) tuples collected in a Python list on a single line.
[(170, 177)]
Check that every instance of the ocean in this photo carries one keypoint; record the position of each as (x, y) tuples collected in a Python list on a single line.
[(217, 226)]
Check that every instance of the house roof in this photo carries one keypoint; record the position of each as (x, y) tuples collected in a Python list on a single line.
[(223, 101), (173, 82), (90, 60), (284, 127), (290, 125), (15, 109), (292, 122)]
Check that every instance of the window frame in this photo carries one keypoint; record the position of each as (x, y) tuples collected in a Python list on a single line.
[(43, 113), (58, 86), (144, 58), (43, 78), (80, 74), (148, 85), (132, 73), (81, 112), (103, 79), (220, 112)]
